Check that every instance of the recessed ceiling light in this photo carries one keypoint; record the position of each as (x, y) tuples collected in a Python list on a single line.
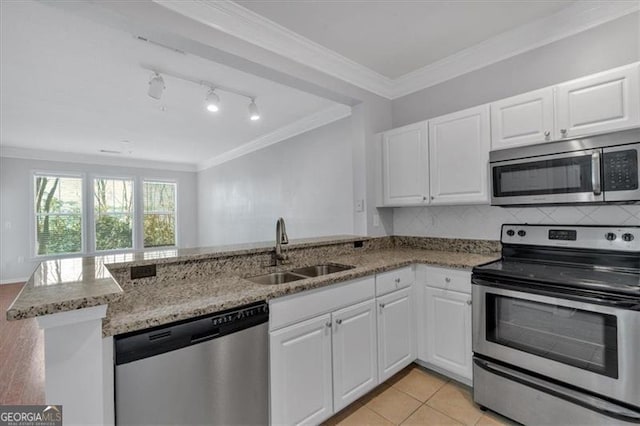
[(254, 114), (212, 101)]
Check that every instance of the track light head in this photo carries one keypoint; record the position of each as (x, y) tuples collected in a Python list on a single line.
[(156, 86), (212, 101), (254, 114)]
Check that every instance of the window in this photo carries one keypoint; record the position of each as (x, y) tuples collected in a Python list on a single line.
[(113, 213), (58, 214), (159, 214)]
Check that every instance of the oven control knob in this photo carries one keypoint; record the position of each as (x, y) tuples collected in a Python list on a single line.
[(522, 233), (610, 236), (511, 232), (627, 237)]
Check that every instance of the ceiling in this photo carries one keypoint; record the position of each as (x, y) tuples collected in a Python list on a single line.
[(394, 38), (72, 85)]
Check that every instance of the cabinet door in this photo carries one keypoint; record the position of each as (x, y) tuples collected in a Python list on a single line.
[(447, 325), (404, 166), (396, 333), (355, 353), (522, 120), (301, 379), (459, 157), (598, 103)]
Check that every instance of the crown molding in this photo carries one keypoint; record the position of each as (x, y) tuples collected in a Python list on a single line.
[(296, 128), (233, 19), (571, 20), (69, 157), (240, 22)]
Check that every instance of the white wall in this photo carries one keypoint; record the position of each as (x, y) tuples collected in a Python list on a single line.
[(307, 179), (607, 46), (16, 260)]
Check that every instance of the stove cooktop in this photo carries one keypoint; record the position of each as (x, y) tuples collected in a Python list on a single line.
[(625, 281)]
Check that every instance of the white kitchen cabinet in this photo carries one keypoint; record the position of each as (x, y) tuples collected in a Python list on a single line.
[(405, 176), (598, 103), (447, 331), (301, 372), (355, 357), (459, 146), (396, 332), (523, 119)]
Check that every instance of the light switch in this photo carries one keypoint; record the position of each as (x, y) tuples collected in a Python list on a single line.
[(376, 220), (359, 205)]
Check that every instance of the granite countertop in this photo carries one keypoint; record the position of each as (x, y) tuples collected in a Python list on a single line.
[(65, 285), (152, 305)]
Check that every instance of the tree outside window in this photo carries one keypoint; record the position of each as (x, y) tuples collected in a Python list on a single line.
[(159, 214), (113, 213), (58, 214)]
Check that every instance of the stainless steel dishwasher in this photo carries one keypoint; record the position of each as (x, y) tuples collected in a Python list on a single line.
[(212, 370)]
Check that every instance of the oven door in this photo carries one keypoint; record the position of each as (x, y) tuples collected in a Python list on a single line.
[(573, 177), (592, 347)]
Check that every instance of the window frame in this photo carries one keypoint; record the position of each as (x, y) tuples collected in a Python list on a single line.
[(144, 180), (88, 230), (93, 243), (33, 216)]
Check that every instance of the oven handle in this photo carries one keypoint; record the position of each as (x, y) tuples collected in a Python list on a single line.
[(631, 305), (591, 402)]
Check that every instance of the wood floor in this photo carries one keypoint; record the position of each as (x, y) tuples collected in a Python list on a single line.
[(21, 355)]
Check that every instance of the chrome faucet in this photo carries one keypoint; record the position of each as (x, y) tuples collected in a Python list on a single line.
[(281, 238)]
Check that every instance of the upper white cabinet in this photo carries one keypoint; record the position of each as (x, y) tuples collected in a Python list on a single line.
[(458, 157), (405, 178), (598, 103), (522, 119)]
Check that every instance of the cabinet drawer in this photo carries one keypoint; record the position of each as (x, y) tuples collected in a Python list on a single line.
[(448, 279), (392, 280), (297, 307)]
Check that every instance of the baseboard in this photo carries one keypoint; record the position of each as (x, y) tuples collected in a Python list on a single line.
[(14, 281), (439, 370)]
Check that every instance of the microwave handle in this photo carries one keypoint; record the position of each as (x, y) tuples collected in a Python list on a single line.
[(595, 173)]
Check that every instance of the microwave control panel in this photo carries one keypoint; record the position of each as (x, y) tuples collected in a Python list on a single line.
[(621, 170)]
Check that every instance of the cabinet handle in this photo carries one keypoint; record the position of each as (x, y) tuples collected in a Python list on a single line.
[(433, 198), (397, 280), (469, 302), (547, 134), (424, 198), (328, 324), (382, 305), (338, 321), (564, 132), (447, 280)]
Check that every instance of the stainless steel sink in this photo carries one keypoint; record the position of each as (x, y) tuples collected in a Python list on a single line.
[(317, 270), (276, 278), (299, 274)]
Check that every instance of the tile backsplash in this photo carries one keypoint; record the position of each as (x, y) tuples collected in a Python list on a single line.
[(483, 222)]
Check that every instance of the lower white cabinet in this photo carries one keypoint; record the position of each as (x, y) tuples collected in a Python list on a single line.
[(301, 373), (396, 332), (355, 357), (447, 328)]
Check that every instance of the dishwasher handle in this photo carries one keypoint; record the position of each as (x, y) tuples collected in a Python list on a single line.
[(143, 344)]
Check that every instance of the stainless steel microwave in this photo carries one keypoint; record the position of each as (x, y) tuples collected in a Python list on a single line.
[(595, 170)]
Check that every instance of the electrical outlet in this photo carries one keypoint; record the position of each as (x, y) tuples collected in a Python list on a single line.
[(359, 205), (144, 271)]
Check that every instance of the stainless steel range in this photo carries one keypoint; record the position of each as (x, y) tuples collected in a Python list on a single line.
[(556, 325)]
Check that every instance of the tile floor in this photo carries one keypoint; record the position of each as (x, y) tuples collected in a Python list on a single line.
[(417, 396)]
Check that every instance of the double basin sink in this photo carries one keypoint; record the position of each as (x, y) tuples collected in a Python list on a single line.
[(299, 274)]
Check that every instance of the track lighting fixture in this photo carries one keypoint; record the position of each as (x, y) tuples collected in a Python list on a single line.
[(156, 86), (254, 114), (212, 101)]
